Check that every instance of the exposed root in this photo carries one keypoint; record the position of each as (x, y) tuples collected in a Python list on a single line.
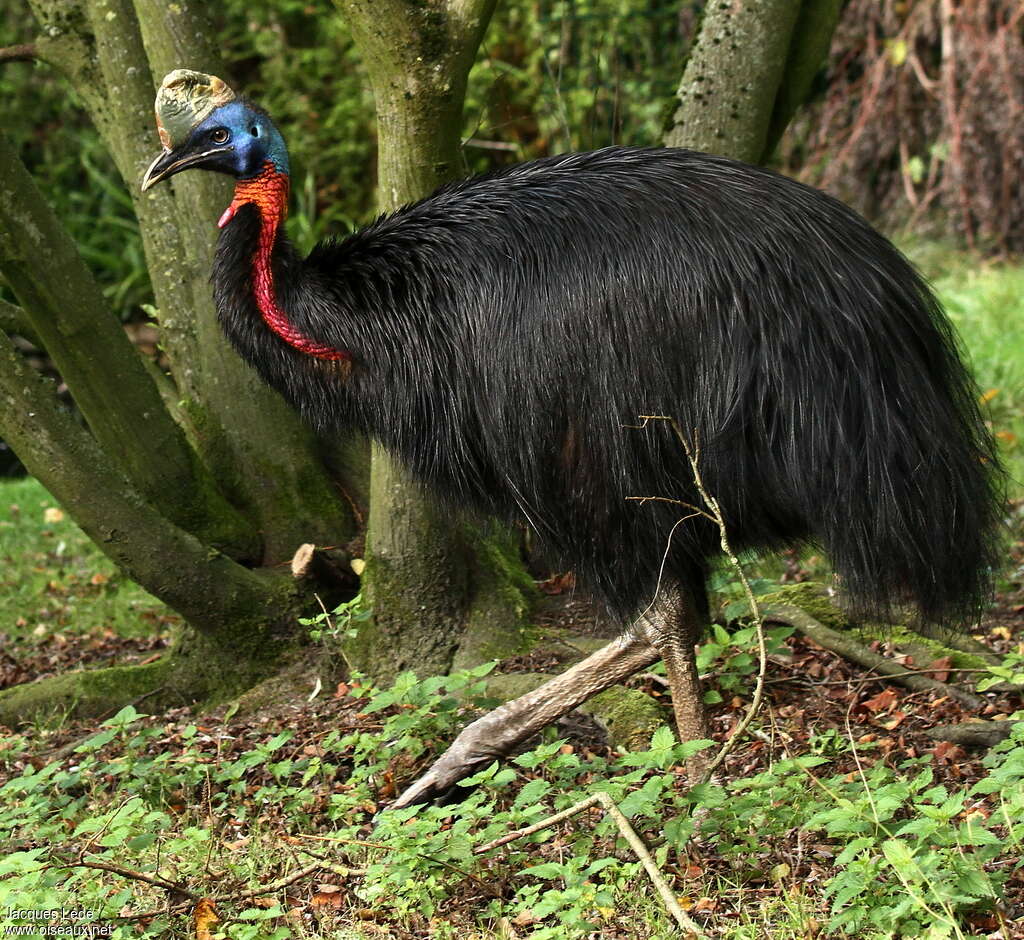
[(973, 733), (850, 649), (191, 671)]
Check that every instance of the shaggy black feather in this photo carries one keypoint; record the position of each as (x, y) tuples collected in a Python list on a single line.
[(507, 332)]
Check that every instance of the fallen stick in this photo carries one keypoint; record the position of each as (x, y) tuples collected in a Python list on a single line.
[(628, 833), (132, 875)]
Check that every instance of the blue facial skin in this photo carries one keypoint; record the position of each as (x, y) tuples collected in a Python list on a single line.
[(253, 140)]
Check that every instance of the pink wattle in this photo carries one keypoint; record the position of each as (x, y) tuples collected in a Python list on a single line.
[(269, 193)]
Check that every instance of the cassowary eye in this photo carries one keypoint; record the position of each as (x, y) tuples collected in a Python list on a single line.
[(219, 135), (255, 130)]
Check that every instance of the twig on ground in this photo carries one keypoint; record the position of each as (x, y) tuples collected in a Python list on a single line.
[(490, 889), (334, 867), (322, 863), (181, 908), (132, 875), (274, 885), (628, 833)]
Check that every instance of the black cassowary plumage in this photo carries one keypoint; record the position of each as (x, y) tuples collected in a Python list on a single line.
[(507, 332)]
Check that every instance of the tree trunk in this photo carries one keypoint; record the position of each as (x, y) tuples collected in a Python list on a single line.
[(266, 461), (808, 48), (439, 592), (182, 477), (243, 620), (749, 69), (63, 306)]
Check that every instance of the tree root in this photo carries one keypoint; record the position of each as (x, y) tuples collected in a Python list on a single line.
[(191, 671), (89, 693), (850, 649), (973, 733)]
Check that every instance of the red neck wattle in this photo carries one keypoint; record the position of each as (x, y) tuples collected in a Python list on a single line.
[(268, 191)]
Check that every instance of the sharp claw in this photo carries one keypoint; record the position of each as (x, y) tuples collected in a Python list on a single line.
[(441, 779)]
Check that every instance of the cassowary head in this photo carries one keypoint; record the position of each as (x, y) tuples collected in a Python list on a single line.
[(204, 125)]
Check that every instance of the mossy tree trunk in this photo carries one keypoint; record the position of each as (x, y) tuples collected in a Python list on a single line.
[(198, 484), (749, 69), (442, 594), (113, 53)]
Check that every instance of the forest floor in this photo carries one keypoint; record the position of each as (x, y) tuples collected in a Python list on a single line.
[(265, 813), (837, 814)]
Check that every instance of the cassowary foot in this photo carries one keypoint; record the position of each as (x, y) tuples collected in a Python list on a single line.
[(497, 733)]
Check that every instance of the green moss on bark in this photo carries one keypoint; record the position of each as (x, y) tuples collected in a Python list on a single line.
[(503, 598), (629, 715), (811, 597)]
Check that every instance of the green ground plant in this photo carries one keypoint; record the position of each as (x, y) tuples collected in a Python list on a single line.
[(53, 580), (986, 304), (910, 858)]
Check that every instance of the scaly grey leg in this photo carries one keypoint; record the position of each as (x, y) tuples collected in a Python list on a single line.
[(497, 733), (672, 626)]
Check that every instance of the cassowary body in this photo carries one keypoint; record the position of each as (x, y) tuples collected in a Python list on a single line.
[(504, 337)]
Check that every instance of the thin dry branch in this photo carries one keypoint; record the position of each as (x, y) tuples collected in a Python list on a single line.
[(714, 513), (289, 880), (132, 875), (322, 863), (628, 833)]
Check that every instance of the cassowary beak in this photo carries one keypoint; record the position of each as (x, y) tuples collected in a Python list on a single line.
[(174, 161)]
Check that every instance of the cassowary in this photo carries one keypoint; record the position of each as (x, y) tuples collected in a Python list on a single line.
[(503, 336)]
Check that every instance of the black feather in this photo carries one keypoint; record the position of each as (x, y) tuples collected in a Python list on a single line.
[(507, 332)]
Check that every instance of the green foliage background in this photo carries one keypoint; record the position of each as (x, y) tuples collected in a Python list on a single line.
[(553, 75)]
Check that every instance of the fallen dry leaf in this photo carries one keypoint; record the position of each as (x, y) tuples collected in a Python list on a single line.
[(327, 900), (894, 720), (883, 701), (205, 918)]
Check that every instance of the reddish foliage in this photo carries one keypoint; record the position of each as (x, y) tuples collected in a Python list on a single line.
[(923, 114)]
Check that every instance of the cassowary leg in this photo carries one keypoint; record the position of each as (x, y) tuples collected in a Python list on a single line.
[(497, 733), (672, 625)]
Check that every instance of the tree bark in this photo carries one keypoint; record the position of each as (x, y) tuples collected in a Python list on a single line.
[(434, 587), (808, 48), (204, 586), (728, 90), (255, 446), (65, 309), (138, 484)]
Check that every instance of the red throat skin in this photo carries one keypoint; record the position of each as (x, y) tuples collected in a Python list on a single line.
[(268, 191)]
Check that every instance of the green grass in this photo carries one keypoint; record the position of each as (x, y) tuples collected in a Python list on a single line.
[(54, 580), (986, 304)]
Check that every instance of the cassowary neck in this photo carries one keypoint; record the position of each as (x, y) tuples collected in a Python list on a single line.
[(268, 191)]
